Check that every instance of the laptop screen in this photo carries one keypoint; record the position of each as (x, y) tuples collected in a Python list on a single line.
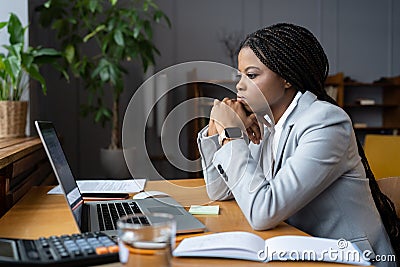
[(61, 168)]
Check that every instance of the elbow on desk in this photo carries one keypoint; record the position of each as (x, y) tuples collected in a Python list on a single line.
[(261, 225), (220, 197), (216, 195), (260, 221)]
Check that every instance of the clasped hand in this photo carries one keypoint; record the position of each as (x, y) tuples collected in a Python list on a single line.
[(231, 113)]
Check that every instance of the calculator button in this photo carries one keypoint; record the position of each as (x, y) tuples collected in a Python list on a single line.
[(90, 251), (78, 253), (44, 244), (64, 255), (33, 255), (113, 249), (101, 250)]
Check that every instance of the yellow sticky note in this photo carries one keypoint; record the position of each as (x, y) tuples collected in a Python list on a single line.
[(204, 210)]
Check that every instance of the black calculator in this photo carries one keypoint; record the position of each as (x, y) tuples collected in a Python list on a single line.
[(67, 250)]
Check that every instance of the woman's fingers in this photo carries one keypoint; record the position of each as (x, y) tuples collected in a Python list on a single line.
[(212, 129), (250, 135), (255, 130), (231, 113)]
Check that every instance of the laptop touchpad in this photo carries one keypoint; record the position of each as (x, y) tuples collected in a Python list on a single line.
[(172, 211)]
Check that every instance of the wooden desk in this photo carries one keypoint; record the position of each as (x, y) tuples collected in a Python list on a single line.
[(38, 214), (23, 164)]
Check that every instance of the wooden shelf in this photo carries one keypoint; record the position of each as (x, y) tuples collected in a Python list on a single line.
[(371, 106), (384, 115), (337, 81), (23, 164), (377, 128), (359, 84)]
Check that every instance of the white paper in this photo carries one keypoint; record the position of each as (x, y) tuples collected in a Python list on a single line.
[(106, 186)]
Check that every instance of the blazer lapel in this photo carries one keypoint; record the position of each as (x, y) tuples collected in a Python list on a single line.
[(281, 145), (304, 102)]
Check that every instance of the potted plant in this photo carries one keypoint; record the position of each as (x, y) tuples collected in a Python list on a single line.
[(98, 38), (17, 65)]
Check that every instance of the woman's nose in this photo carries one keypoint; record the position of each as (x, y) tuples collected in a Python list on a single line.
[(240, 85)]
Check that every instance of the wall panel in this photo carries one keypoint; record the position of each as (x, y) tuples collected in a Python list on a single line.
[(363, 39)]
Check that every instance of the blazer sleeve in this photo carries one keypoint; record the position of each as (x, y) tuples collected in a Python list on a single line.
[(215, 185), (315, 164)]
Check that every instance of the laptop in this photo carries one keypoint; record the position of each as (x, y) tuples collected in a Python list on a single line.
[(102, 215)]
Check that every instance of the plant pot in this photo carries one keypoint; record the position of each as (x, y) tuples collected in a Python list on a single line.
[(13, 118), (114, 164)]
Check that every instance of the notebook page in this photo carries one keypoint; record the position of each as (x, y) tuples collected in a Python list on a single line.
[(240, 245)]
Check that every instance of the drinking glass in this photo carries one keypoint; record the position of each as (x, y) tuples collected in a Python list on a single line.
[(142, 244)]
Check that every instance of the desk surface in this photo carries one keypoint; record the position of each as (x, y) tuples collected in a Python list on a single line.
[(38, 214)]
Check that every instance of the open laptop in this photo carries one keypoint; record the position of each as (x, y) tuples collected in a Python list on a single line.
[(102, 215)]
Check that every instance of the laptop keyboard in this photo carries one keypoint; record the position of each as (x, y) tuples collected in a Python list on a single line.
[(109, 213)]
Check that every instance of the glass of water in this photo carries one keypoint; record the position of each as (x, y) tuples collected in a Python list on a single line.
[(146, 239)]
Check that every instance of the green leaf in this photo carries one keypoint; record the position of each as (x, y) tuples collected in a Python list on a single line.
[(145, 6), (62, 70), (70, 53), (93, 33), (2, 66), (98, 115), (104, 75), (3, 24), (47, 4), (34, 73), (113, 72), (119, 38), (15, 30), (27, 60), (12, 67), (136, 30), (45, 52), (157, 16), (93, 5), (102, 65), (14, 50), (113, 2), (107, 113), (148, 30)]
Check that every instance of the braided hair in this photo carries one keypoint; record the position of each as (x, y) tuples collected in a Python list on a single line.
[(295, 54)]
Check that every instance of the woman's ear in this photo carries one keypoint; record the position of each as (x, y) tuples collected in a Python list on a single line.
[(287, 84)]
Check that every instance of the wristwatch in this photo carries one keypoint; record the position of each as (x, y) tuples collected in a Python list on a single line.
[(231, 133)]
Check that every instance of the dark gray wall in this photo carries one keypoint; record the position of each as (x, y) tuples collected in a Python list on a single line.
[(361, 39)]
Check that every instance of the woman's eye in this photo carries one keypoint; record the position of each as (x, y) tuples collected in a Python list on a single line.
[(251, 75), (238, 76)]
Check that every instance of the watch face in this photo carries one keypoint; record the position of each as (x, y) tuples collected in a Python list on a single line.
[(233, 132)]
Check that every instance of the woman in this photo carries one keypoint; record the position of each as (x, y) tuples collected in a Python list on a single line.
[(303, 165)]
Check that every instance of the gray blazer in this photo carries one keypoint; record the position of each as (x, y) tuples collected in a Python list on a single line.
[(318, 184)]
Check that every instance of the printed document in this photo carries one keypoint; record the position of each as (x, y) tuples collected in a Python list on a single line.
[(106, 186)]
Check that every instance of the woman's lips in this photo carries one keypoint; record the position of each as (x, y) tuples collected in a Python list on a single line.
[(243, 101), (240, 98)]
